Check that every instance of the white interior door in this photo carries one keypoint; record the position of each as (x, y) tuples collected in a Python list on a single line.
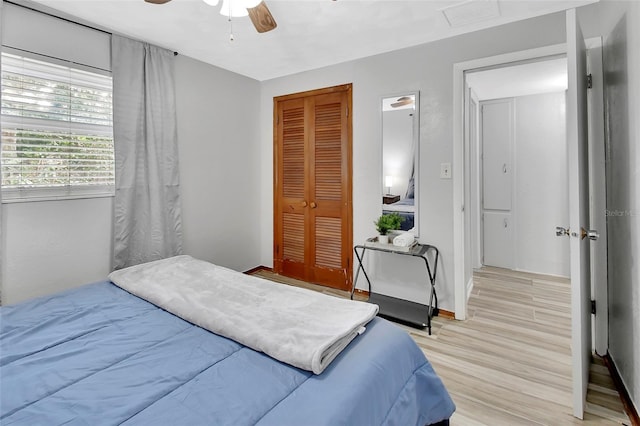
[(578, 166)]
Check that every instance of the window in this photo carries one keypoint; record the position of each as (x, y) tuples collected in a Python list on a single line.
[(57, 130)]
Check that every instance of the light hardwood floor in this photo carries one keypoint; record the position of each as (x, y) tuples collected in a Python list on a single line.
[(510, 362)]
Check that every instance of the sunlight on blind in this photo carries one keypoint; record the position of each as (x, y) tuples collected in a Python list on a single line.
[(57, 130)]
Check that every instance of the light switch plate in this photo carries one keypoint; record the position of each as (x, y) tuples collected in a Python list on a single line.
[(445, 170)]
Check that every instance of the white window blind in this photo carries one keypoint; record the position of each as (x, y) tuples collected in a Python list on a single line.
[(57, 130)]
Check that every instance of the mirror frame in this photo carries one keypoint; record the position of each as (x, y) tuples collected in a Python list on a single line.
[(416, 159)]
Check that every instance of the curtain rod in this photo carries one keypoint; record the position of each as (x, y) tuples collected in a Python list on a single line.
[(64, 19), (53, 57)]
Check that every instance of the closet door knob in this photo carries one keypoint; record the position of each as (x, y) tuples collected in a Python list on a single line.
[(313, 205), (304, 204)]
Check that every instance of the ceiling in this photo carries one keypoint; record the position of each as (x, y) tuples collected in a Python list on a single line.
[(310, 33), (532, 78)]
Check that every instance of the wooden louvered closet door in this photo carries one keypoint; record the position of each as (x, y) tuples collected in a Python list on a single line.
[(312, 187)]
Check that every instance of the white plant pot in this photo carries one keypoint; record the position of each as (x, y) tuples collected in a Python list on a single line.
[(383, 239)]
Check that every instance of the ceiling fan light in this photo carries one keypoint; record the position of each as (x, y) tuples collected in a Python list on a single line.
[(211, 2), (233, 8), (249, 4)]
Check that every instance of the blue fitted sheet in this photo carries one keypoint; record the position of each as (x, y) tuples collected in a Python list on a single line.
[(98, 355)]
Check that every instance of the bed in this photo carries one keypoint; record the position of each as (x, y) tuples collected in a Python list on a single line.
[(406, 209), (101, 355)]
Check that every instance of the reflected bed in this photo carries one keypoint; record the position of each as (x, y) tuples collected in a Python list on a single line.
[(406, 209)]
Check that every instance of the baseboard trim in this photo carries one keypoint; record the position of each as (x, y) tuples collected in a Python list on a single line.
[(357, 292), (362, 293), (446, 314), (258, 268), (469, 288), (628, 405)]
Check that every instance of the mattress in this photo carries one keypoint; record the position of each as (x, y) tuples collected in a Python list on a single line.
[(99, 355)]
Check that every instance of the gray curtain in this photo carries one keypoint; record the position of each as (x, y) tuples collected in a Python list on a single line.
[(1, 206), (147, 211)]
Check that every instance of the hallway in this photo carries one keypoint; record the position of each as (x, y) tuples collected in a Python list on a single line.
[(510, 362)]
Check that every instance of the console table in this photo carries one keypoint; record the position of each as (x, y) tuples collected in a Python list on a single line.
[(412, 313)]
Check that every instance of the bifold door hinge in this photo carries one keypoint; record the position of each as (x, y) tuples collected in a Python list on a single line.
[(589, 81), (593, 307)]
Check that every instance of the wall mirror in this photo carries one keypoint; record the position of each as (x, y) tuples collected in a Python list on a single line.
[(400, 144)]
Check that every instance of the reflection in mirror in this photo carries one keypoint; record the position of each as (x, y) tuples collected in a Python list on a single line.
[(400, 142)]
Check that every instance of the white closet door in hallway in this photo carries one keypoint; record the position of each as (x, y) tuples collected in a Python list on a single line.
[(497, 136)]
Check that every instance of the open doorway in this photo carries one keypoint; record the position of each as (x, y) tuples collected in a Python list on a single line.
[(467, 245), (517, 178)]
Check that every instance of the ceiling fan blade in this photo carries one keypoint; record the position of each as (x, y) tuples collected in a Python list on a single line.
[(157, 1), (405, 100), (262, 18)]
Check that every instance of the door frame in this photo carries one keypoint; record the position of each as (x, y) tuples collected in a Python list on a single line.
[(598, 200), (460, 147), (475, 200), (347, 163)]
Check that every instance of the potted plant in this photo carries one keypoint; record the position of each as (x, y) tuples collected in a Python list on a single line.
[(385, 223)]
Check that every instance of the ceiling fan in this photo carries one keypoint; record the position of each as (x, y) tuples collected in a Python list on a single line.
[(256, 9)]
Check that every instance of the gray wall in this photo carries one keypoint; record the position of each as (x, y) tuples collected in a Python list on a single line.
[(219, 167), (429, 69), (620, 26)]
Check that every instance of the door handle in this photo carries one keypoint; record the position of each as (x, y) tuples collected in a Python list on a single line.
[(504, 168), (592, 234), (560, 231), (304, 204), (506, 224), (313, 205)]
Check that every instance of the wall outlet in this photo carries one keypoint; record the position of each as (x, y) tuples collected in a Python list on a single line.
[(445, 170)]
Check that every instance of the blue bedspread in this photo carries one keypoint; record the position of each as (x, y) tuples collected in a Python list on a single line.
[(99, 356)]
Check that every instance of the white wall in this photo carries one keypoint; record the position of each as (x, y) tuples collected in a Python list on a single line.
[(541, 186), (430, 72)]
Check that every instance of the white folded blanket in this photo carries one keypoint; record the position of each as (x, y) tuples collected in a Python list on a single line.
[(404, 239), (300, 327)]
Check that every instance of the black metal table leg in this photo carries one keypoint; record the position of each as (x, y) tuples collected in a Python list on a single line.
[(393, 307)]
